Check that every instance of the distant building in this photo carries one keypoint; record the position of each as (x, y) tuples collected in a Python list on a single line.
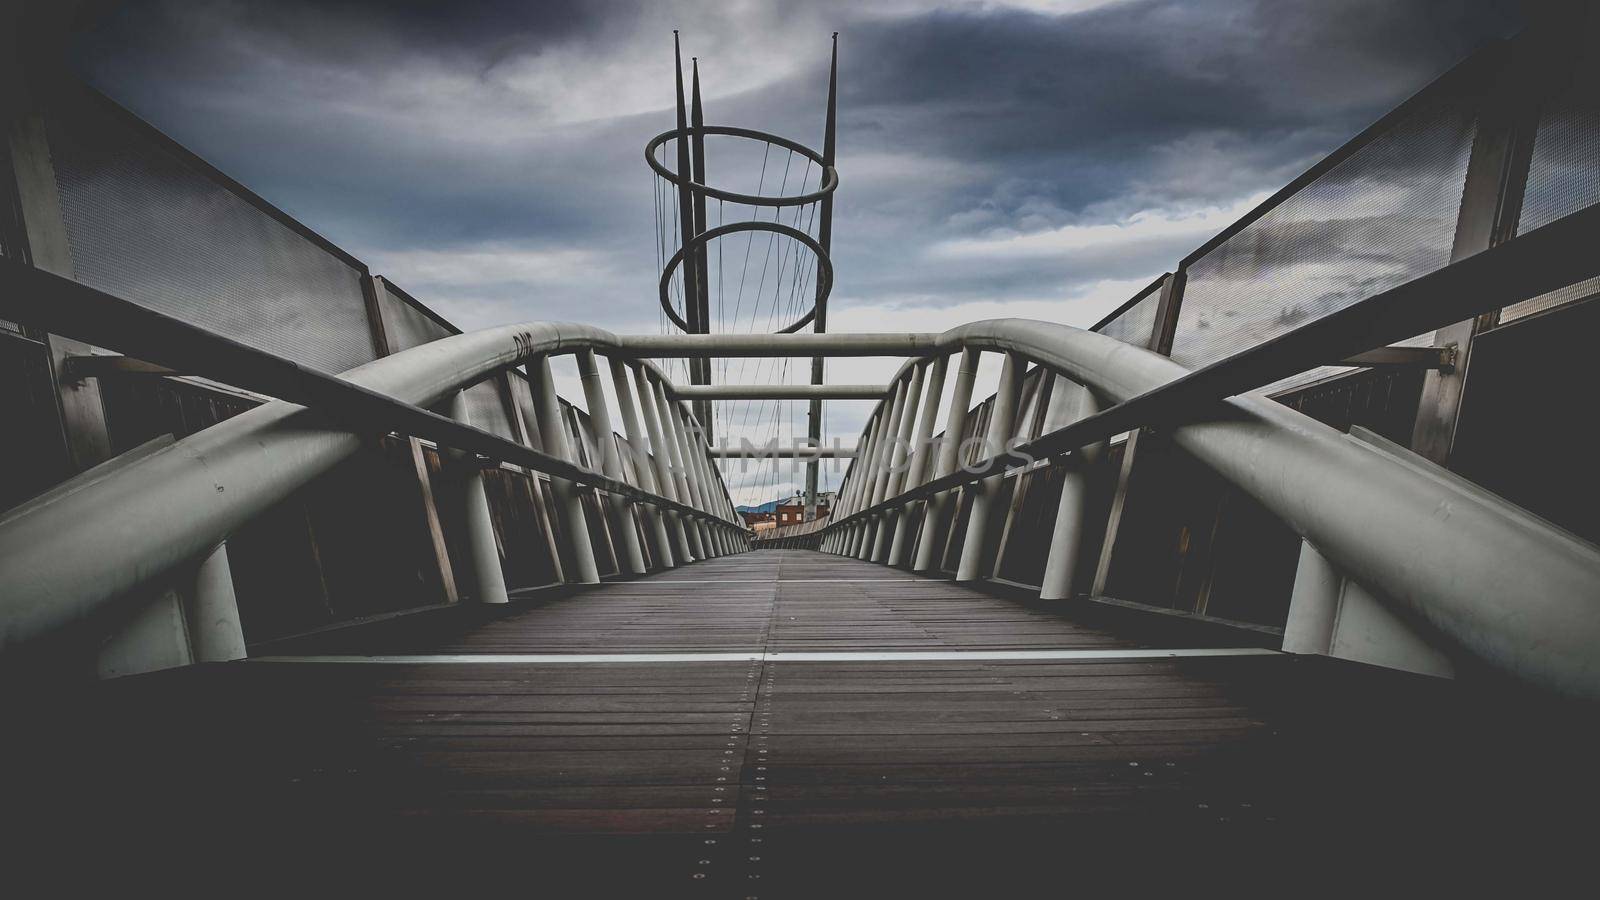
[(758, 519), (790, 510)]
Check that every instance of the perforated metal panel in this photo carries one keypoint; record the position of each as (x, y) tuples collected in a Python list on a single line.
[(522, 396), (404, 324), (1065, 401), (1563, 177), (153, 226), (13, 240), (1134, 324), (1382, 216), (486, 406)]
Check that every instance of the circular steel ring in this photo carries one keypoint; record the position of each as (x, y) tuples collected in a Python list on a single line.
[(830, 176), (824, 269)]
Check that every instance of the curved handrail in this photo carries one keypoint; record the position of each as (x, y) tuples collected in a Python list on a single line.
[(81, 550), (1507, 586)]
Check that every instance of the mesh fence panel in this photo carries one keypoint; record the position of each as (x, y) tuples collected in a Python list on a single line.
[(1134, 324), (486, 406), (1563, 177), (1382, 216), (12, 242), (405, 325), (148, 224)]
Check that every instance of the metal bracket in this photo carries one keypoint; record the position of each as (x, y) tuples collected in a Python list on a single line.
[(78, 368), (1441, 358)]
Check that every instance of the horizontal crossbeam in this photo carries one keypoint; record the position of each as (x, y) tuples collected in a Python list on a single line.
[(767, 451), (694, 346), (780, 391), (64, 306)]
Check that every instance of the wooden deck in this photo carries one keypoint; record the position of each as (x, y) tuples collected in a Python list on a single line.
[(748, 767)]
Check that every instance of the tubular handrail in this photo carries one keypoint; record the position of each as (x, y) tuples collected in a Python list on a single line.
[(1438, 549), (105, 320), (204, 487), (1543, 260)]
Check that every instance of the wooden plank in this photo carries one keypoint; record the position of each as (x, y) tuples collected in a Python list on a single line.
[(792, 769)]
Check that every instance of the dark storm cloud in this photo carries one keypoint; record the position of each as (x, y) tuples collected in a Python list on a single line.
[(400, 127), (1048, 121), (996, 159)]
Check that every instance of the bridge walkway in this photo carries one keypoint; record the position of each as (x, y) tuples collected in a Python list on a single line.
[(790, 723)]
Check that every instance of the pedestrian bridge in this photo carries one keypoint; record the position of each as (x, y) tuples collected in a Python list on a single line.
[(790, 723), (294, 575)]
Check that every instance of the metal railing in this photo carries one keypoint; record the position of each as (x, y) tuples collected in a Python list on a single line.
[(213, 482), (1374, 515), (1378, 517)]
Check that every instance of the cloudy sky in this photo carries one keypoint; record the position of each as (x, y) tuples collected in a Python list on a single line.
[(1037, 158)]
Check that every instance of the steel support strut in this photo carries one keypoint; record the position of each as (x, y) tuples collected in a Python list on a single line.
[(955, 421), (610, 459), (932, 394), (1002, 427), (488, 580), (662, 544)]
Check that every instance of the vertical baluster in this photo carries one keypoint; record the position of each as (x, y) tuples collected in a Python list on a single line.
[(700, 462), (610, 460), (854, 479), (895, 476), (569, 503), (870, 472), (1002, 426), (880, 470), (1066, 538), (215, 632), (949, 457), (861, 476), (661, 458), (654, 517), (672, 432), (933, 392), (489, 581), (694, 449)]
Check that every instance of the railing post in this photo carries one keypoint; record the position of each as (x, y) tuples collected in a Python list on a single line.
[(374, 287), (869, 471), (671, 429), (483, 553), (858, 477), (654, 516), (949, 457), (1066, 539), (610, 460), (894, 477), (569, 504), (690, 436), (933, 392), (661, 458), (853, 478), (215, 633), (1002, 426), (881, 469), (1313, 603), (1168, 304), (1491, 201), (708, 483), (38, 200), (879, 482)]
